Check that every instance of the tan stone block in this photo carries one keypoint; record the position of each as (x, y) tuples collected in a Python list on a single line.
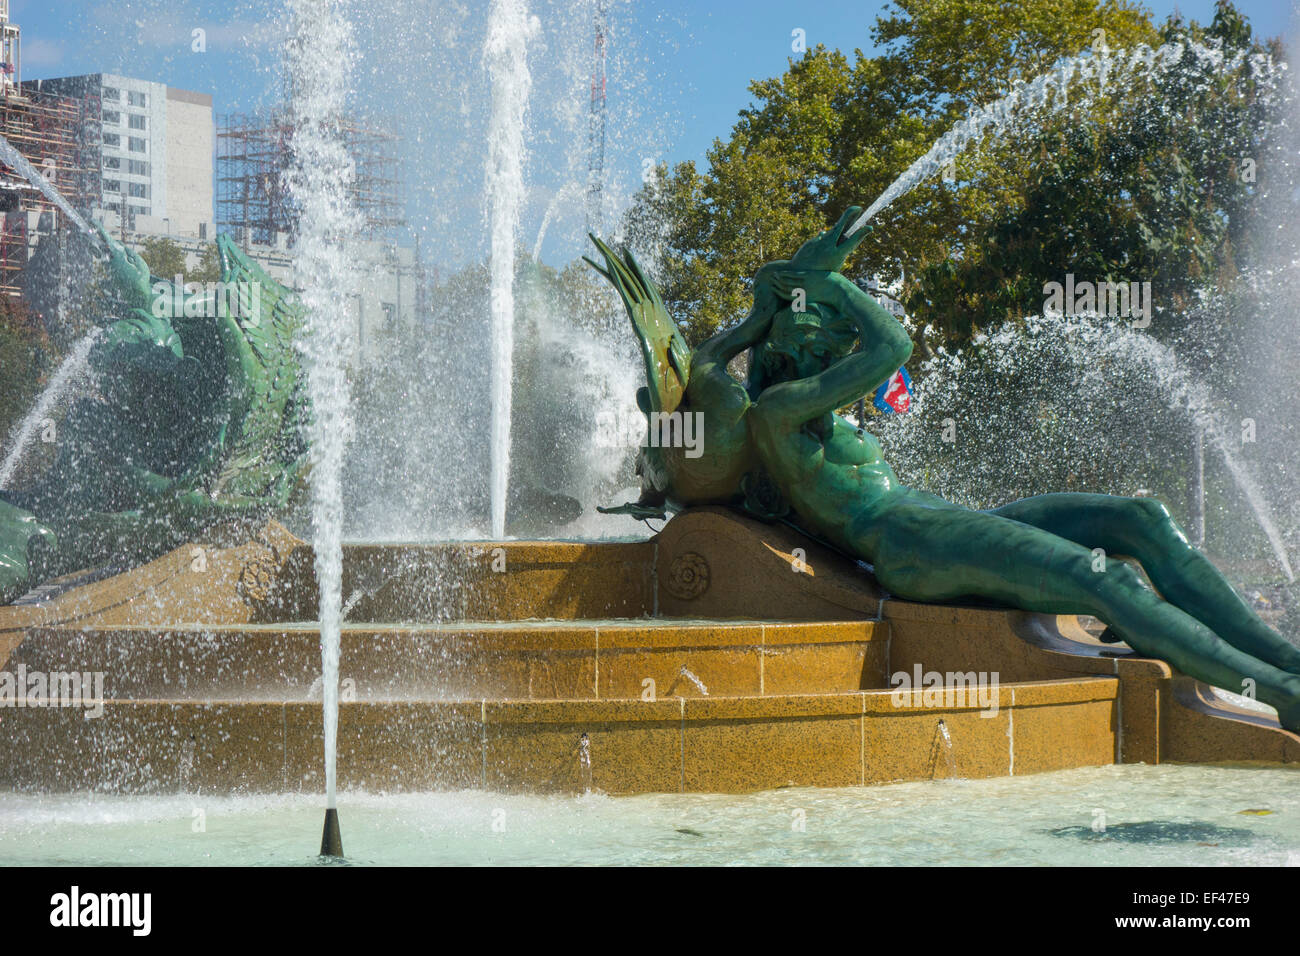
[(169, 747), (744, 744), (1063, 735), (634, 746), (729, 671), (714, 563), (909, 744), (48, 749), (831, 668), (387, 746), (1199, 727)]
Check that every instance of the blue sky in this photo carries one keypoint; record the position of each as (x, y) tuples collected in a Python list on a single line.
[(678, 75)]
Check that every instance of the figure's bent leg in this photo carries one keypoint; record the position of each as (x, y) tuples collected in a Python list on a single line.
[(1142, 528), (929, 553)]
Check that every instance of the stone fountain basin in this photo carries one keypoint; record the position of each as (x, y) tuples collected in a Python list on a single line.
[(722, 655)]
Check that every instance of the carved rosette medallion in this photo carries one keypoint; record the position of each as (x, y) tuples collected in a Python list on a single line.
[(688, 576)]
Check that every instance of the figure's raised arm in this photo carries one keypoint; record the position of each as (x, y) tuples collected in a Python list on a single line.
[(826, 251), (726, 345), (884, 346)]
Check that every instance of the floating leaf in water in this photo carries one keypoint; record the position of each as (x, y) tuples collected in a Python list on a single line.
[(1256, 812)]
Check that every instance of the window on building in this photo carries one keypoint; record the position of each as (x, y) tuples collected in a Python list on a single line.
[(112, 139), (113, 206), (390, 317), (112, 162), (112, 116), (137, 99), (111, 94), (139, 210), (137, 167), (136, 122), (139, 190), (112, 186), (136, 144)]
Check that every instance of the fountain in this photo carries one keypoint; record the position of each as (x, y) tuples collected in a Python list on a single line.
[(319, 54), (505, 54), (745, 648), (1070, 82)]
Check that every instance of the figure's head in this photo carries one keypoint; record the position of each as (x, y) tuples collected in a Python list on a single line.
[(829, 249), (801, 344)]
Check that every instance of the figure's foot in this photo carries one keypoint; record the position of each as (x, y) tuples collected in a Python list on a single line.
[(1109, 637)]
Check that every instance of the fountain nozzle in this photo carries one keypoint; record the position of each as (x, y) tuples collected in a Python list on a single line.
[(331, 840)]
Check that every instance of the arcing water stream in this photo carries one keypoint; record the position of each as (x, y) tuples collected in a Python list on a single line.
[(71, 367), (1054, 392), (1086, 76), (1052, 90)]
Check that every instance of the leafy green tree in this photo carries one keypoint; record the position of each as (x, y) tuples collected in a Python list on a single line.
[(208, 268), (946, 56), (1125, 187), (1143, 186), (165, 257)]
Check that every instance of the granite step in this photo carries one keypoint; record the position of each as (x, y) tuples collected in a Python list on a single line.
[(627, 658), (670, 744)]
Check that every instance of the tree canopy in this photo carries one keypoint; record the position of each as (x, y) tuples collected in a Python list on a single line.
[(1139, 181)]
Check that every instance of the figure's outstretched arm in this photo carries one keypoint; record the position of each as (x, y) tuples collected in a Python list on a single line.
[(884, 346)]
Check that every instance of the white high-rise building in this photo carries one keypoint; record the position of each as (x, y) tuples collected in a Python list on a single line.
[(155, 153)]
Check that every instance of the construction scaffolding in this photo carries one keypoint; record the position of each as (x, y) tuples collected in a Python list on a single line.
[(58, 136), (254, 152), (596, 125)]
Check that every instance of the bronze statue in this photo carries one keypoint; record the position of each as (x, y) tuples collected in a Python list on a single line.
[(775, 448), (197, 419)]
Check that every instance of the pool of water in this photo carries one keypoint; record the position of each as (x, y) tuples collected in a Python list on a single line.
[(1109, 816)]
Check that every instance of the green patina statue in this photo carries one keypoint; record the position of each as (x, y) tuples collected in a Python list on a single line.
[(775, 448), (196, 418)]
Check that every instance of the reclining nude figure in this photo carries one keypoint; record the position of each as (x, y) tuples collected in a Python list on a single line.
[(774, 447)]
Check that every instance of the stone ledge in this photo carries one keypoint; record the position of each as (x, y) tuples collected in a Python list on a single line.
[(699, 745)]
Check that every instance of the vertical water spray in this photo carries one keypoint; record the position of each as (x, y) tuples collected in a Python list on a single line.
[(319, 57), (505, 57)]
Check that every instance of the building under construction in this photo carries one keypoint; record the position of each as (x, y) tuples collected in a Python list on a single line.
[(56, 135), (253, 205), (256, 209)]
